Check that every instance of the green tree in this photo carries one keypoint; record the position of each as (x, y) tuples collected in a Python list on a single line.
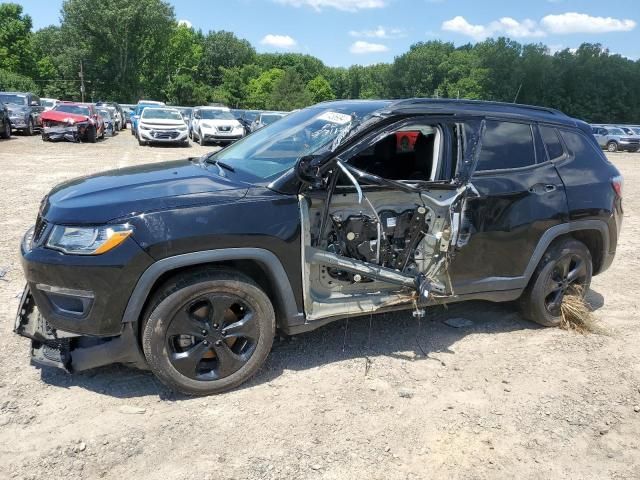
[(223, 50), (319, 89), (289, 92), (15, 81), (15, 40), (122, 43), (260, 88)]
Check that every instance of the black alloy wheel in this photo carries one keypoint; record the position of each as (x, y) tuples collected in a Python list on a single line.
[(568, 276), (208, 331), (212, 337), (565, 269)]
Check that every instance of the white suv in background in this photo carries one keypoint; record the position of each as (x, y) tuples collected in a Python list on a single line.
[(162, 125), (215, 124)]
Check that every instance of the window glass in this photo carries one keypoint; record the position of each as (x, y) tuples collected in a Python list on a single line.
[(506, 145), (578, 145), (409, 153), (552, 142)]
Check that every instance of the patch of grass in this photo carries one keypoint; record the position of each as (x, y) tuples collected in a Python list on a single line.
[(577, 314)]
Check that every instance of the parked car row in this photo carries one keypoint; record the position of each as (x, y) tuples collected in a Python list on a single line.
[(614, 138), (54, 119), (155, 122)]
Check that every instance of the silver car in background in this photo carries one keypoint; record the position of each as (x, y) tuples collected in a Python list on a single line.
[(613, 139)]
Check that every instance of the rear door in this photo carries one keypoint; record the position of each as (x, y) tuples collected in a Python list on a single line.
[(520, 196)]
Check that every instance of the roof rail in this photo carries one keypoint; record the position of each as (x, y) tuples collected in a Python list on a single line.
[(423, 101)]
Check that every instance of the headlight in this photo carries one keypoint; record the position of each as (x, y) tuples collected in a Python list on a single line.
[(182, 127), (88, 240), (144, 127), (238, 127)]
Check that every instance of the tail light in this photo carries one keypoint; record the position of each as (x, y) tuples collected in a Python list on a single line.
[(617, 182)]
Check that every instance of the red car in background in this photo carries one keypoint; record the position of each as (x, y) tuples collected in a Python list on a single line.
[(73, 121)]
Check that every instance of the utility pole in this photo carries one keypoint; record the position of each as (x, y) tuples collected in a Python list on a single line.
[(81, 74)]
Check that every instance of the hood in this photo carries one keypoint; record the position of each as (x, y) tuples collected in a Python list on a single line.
[(220, 122), (161, 122), (114, 194), (56, 116)]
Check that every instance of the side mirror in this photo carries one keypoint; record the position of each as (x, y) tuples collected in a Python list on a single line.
[(308, 168), (35, 104)]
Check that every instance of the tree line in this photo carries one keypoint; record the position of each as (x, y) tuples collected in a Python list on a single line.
[(130, 50)]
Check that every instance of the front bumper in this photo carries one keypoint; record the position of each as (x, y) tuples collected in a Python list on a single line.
[(18, 122), (215, 135), (72, 133), (71, 352), (626, 145), (164, 136)]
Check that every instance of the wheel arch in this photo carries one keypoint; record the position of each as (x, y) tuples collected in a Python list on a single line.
[(259, 264), (593, 233)]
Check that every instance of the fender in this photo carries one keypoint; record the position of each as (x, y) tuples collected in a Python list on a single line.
[(520, 283), (280, 282)]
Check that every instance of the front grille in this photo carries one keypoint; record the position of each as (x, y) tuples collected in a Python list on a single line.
[(165, 134), (224, 128)]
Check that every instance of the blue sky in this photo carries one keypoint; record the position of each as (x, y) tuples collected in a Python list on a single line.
[(346, 32)]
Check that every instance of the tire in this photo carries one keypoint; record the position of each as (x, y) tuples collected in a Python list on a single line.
[(6, 130), (92, 135), (566, 264), (184, 336), (612, 147), (29, 130), (201, 139)]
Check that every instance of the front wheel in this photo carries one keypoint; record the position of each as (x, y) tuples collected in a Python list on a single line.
[(201, 139), (209, 332), (565, 269), (612, 147), (92, 135), (6, 131), (30, 128)]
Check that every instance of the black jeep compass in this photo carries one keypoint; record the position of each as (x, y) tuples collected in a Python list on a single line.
[(344, 208)]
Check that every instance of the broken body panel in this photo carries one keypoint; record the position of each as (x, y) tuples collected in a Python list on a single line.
[(379, 243)]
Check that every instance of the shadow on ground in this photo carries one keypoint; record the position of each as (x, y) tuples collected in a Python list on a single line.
[(398, 335)]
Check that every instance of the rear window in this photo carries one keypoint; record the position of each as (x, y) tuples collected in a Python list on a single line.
[(506, 145), (579, 146), (551, 142)]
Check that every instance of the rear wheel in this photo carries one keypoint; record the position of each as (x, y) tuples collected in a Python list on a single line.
[(209, 332), (565, 268), (612, 147)]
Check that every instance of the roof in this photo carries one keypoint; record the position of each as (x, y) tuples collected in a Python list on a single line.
[(453, 106)]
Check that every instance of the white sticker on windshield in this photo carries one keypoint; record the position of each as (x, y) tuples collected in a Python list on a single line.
[(335, 117)]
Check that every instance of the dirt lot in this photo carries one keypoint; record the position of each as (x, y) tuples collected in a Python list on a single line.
[(379, 398)]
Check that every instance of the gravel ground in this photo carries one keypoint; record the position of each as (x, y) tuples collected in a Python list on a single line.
[(376, 398)]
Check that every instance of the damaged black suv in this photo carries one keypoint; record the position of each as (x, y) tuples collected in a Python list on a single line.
[(344, 208)]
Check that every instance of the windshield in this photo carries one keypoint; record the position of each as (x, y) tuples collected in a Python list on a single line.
[(75, 109), (272, 150), (105, 113), (216, 115), (615, 131), (161, 114), (268, 119), (13, 99)]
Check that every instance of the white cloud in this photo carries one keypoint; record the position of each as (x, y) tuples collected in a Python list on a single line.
[(379, 32), (361, 47), (185, 23), (344, 5), (279, 41), (564, 23), (504, 26), (572, 22)]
